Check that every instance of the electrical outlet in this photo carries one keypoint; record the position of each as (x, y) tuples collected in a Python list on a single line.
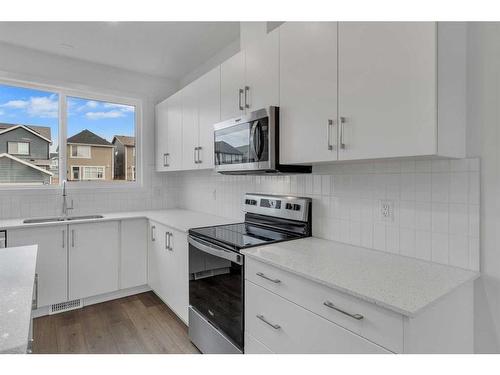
[(387, 210)]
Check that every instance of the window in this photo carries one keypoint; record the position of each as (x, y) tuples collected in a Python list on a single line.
[(78, 151), (100, 143), (29, 126), (101, 133), (18, 148)]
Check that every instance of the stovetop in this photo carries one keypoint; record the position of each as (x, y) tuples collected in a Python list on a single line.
[(242, 235)]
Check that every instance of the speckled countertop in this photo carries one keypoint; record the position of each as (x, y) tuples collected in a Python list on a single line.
[(178, 219), (398, 283), (17, 275)]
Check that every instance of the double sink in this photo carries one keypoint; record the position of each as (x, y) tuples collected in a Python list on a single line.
[(60, 218)]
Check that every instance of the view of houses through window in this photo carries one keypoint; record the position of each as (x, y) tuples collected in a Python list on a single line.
[(100, 143)]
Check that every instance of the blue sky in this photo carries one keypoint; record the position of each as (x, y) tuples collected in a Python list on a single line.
[(34, 107)]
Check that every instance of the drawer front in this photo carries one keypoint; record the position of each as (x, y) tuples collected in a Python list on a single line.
[(377, 324), (285, 327), (254, 346)]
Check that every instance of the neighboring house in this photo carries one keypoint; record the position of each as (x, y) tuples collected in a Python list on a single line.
[(124, 157), (90, 157), (24, 154), (227, 154)]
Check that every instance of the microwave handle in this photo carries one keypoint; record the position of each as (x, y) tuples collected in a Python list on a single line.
[(258, 147)]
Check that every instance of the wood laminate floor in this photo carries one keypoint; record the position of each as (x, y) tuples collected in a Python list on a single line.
[(136, 324)]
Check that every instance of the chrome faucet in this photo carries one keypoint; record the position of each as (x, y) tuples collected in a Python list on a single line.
[(65, 207)]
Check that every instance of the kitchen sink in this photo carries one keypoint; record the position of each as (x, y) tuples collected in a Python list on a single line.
[(58, 219)]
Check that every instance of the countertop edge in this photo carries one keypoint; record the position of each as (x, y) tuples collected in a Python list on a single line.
[(407, 313)]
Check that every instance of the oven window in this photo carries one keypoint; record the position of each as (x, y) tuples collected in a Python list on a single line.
[(242, 143), (215, 291)]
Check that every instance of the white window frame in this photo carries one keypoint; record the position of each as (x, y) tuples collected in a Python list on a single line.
[(64, 92), (18, 153), (81, 173), (77, 147)]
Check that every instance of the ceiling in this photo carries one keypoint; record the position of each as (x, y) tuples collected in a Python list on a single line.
[(167, 49)]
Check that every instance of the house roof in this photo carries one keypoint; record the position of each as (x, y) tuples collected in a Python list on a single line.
[(124, 140), (86, 137), (225, 148), (4, 155), (42, 131)]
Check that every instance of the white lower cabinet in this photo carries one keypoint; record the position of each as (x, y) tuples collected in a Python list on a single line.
[(285, 327), (168, 267), (93, 259), (254, 346), (134, 255), (51, 262)]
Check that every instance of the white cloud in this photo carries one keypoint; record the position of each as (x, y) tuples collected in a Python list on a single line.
[(103, 115), (2, 113), (121, 107), (39, 106), (92, 104), (17, 104)]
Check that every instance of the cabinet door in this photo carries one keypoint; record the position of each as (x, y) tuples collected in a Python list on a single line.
[(387, 89), (154, 257), (190, 126), (262, 73), (232, 81), (93, 259), (161, 135), (133, 260), (51, 262), (208, 115), (308, 92), (174, 132), (177, 270)]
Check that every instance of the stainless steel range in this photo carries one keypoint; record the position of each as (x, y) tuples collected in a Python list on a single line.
[(216, 266)]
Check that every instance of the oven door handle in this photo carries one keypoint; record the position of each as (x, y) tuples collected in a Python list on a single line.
[(215, 250)]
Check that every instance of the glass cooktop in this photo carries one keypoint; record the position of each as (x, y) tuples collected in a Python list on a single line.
[(242, 235)]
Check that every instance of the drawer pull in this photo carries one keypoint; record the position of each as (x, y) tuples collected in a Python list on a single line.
[(275, 326), (276, 281), (332, 306)]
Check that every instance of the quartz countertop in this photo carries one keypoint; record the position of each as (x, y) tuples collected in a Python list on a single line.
[(402, 284), (181, 220), (17, 275)]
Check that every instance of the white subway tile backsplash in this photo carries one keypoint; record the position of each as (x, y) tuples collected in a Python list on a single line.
[(435, 204)]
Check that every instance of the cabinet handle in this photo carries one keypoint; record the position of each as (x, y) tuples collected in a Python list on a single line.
[(240, 92), (343, 120), (275, 326), (276, 281), (170, 235), (247, 89), (332, 306), (63, 238), (194, 155), (165, 160), (72, 238), (167, 240), (199, 157), (153, 237), (329, 134), (35, 302)]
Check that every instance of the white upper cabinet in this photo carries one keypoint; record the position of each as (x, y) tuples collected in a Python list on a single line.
[(189, 127), (392, 101), (262, 73), (232, 84), (161, 135), (308, 92), (387, 89), (208, 115), (250, 79), (169, 133)]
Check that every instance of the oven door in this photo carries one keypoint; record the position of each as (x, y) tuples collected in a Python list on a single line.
[(216, 287), (246, 143)]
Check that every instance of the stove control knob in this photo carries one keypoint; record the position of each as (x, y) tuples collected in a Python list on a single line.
[(251, 202), (296, 207), (288, 206)]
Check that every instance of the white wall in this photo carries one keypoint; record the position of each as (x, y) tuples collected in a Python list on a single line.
[(483, 86), (29, 65)]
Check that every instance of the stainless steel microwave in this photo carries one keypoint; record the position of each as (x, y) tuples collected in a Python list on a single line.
[(250, 145)]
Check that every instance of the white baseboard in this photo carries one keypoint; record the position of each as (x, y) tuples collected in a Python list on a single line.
[(44, 310)]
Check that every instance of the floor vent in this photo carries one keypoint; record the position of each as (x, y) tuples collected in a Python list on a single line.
[(65, 306)]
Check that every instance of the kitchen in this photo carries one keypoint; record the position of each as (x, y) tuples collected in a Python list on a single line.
[(248, 188)]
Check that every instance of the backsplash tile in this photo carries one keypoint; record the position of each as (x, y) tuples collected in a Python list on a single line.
[(435, 215)]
